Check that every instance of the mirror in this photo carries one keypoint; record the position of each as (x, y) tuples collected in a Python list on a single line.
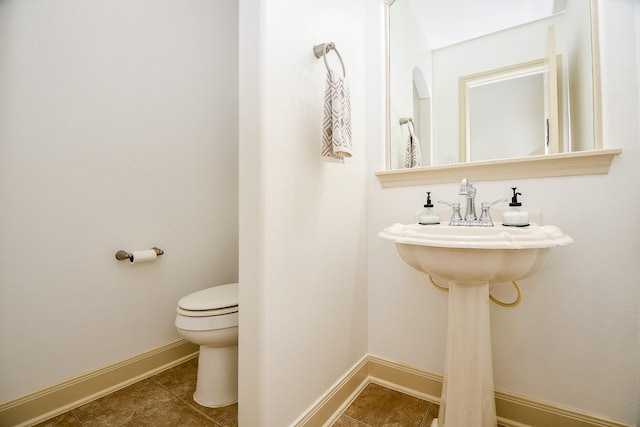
[(450, 61), (507, 113)]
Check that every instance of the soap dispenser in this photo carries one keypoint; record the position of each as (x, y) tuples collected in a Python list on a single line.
[(514, 216), (427, 215)]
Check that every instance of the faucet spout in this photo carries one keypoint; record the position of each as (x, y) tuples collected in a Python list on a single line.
[(467, 189)]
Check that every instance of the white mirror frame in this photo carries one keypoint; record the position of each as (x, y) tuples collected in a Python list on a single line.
[(466, 83), (592, 162)]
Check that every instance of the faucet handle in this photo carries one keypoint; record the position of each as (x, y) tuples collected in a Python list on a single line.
[(456, 218), (455, 206), (489, 204), (485, 217)]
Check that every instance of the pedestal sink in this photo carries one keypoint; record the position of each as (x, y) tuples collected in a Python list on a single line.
[(470, 258)]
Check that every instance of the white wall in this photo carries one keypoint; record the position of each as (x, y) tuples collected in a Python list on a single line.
[(118, 130), (573, 341), (303, 221)]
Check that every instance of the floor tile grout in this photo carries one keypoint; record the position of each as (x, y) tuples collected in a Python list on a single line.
[(426, 415), (188, 404), (363, 424)]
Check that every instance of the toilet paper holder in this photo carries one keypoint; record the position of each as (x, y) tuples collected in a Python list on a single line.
[(122, 255)]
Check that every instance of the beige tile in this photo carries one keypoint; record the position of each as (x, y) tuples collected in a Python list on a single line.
[(225, 415), (179, 379), (233, 422), (171, 414), (123, 405), (378, 406)]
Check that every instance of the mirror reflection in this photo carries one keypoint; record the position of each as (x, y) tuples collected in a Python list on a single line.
[(487, 80)]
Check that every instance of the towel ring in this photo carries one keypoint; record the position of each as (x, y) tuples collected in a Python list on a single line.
[(320, 50), (409, 122)]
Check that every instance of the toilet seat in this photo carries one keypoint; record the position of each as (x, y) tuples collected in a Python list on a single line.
[(206, 323), (209, 309), (211, 299), (207, 313)]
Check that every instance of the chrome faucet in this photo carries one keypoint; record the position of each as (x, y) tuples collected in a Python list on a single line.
[(467, 189), (470, 218)]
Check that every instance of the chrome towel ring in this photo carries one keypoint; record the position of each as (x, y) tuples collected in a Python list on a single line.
[(321, 50), (409, 122)]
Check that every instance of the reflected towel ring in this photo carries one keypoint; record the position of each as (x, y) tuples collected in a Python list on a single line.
[(409, 122), (320, 50)]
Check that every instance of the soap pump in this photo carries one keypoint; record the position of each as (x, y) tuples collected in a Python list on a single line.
[(428, 216), (515, 217)]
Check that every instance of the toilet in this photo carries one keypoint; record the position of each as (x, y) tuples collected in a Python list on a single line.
[(209, 318)]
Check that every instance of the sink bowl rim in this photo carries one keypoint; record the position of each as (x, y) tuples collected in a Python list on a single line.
[(498, 237)]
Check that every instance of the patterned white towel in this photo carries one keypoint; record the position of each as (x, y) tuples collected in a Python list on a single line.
[(412, 155), (336, 119)]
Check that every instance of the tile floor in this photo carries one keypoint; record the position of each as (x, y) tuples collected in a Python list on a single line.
[(378, 406), (166, 399)]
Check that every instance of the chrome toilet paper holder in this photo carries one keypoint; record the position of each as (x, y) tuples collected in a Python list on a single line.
[(122, 255)]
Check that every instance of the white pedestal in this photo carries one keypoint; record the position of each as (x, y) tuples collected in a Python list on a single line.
[(467, 393)]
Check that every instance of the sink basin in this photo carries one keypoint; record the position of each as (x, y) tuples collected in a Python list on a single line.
[(475, 254), (470, 258)]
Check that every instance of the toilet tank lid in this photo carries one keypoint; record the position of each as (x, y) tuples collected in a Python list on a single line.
[(211, 298)]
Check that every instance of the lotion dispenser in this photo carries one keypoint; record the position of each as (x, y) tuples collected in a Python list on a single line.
[(515, 217), (428, 216)]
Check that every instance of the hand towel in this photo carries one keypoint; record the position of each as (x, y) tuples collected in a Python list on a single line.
[(336, 120), (413, 156)]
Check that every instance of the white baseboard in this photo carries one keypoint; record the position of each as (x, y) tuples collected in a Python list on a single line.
[(337, 398), (64, 396), (512, 410)]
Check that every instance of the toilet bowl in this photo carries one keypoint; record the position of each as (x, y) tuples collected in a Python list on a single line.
[(209, 318)]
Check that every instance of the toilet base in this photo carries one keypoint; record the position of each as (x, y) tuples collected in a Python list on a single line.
[(217, 382)]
